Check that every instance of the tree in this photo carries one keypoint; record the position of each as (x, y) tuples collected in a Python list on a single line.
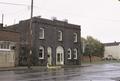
[(93, 47)]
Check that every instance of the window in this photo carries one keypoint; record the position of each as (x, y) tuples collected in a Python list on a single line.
[(75, 53), (41, 33), (1, 46), (7, 46), (41, 52), (59, 35), (4, 45), (69, 53), (75, 37)]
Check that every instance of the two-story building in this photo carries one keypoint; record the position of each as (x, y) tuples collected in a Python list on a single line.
[(54, 42), (9, 47)]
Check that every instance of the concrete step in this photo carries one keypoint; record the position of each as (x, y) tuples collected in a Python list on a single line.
[(53, 67)]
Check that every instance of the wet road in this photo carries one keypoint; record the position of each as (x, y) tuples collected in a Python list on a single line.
[(99, 72)]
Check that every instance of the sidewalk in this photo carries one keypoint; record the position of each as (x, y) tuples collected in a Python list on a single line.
[(86, 65), (40, 68), (20, 68)]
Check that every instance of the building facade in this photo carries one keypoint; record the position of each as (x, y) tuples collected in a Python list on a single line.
[(112, 50), (54, 42), (9, 47)]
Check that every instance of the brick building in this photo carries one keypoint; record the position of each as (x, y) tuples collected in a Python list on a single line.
[(54, 42), (9, 47)]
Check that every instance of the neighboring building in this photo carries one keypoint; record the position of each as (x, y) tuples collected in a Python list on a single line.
[(112, 50), (9, 47), (54, 42)]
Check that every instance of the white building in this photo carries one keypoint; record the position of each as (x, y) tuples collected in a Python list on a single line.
[(7, 54), (9, 47), (112, 50)]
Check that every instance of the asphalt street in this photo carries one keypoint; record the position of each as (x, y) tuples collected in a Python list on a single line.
[(97, 72)]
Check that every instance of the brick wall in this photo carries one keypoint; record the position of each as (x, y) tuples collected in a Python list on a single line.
[(87, 59), (9, 36)]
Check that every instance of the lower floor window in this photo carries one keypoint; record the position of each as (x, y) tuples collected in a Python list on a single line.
[(41, 52), (75, 53), (69, 53)]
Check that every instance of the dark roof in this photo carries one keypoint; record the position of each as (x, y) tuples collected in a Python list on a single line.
[(8, 30), (112, 44), (52, 22)]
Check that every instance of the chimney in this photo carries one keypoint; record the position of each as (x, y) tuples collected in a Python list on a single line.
[(54, 18), (65, 20)]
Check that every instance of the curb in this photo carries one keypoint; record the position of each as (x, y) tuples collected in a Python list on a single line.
[(39, 68), (22, 68)]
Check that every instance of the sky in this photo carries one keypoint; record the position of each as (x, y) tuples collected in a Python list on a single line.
[(98, 18)]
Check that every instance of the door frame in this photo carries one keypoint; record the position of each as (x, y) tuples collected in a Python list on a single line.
[(49, 58), (60, 50)]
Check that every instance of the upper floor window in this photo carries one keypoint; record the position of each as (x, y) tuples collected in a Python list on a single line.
[(59, 35), (75, 37), (41, 52), (69, 53), (4, 45), (75, 53), (41, 33)]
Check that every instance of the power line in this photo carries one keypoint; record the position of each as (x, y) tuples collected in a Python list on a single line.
[(6, 3)]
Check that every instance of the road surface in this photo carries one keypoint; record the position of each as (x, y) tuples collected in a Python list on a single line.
[(98, 72)]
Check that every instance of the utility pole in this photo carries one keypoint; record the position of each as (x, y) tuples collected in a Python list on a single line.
[(30, 37), (83, 48), (2, 18)]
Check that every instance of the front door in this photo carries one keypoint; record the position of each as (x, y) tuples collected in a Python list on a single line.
[(59, 56), (49, 50)]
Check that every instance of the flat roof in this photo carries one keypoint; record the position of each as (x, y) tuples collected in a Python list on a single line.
[(112, 44)]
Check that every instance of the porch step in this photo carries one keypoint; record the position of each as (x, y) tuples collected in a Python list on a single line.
[(53, 67)]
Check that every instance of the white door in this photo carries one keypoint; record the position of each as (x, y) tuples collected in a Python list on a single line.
[(59, 56), (49, 50)]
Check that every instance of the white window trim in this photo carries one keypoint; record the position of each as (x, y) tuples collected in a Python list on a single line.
[(60, 39), (43, 32), (69, 53), (5, 50), (5, 46), (42, 52), (75, 39), (75, 53)]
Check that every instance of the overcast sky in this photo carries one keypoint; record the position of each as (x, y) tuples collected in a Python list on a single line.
[(98, 18)]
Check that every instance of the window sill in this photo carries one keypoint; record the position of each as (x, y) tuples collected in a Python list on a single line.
[(75, 58), (69, 58), (5, 50), (41, 38), (60, 40), (40, 58), (75, 42)]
